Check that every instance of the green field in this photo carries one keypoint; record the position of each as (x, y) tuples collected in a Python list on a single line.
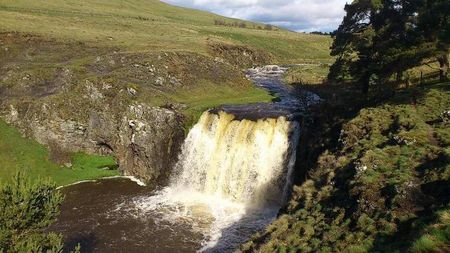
[(142, 25), (19, 153)]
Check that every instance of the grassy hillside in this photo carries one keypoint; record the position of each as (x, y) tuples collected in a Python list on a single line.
[(152, 25), (377, 178), (307, 74)]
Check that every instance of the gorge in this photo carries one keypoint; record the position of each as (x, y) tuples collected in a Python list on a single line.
[(232, 176), (143, 126)]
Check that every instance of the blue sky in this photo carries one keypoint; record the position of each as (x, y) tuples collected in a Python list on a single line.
[(297, 15)]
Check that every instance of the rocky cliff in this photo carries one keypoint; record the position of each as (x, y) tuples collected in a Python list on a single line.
[(144, 139)]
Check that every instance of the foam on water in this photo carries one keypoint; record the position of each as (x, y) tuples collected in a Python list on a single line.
[(230, 180)]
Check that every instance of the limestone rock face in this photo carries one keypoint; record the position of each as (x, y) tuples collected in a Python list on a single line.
[(144, 139), (149, 141)]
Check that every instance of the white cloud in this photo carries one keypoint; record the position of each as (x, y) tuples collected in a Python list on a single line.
[(298, 15)]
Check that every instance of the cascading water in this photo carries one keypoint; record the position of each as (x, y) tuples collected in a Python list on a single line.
[(231, 178), (238, 160)]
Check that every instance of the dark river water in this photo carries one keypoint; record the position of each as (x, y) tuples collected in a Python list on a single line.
[(288, 103), (95, 214)]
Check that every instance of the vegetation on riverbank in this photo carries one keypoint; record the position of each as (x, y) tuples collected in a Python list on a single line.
[(22, 154), (375, 158), (378, 180), (26, 210)]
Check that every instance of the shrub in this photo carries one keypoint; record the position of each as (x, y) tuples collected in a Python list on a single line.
[(26, 209)]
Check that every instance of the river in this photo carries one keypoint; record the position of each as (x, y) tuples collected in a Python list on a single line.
[(232, 178)]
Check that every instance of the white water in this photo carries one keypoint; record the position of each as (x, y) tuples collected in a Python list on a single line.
[(131, 178), (231, 178)]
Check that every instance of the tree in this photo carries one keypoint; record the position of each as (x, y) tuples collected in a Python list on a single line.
[(434, 21), (26, 209), (380, 38), (353, 43), (400, 44)]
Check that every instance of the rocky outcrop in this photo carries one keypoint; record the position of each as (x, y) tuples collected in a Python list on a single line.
[(149, 141), (145, 140)]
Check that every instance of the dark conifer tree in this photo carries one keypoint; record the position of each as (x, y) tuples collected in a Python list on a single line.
[(434, 22), (381, 38)]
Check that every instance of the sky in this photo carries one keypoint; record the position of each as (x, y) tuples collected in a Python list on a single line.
[(296, 15)]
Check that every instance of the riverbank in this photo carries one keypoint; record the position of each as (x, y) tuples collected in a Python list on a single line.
[(22, 154), (374, 177)]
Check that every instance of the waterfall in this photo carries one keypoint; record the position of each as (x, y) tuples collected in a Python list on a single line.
[(231, 178), (239, 160)]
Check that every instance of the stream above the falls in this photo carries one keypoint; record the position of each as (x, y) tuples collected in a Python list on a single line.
[(232, 177), (289, 103)]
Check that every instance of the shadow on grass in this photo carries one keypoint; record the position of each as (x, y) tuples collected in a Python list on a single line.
[(408, 232)]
